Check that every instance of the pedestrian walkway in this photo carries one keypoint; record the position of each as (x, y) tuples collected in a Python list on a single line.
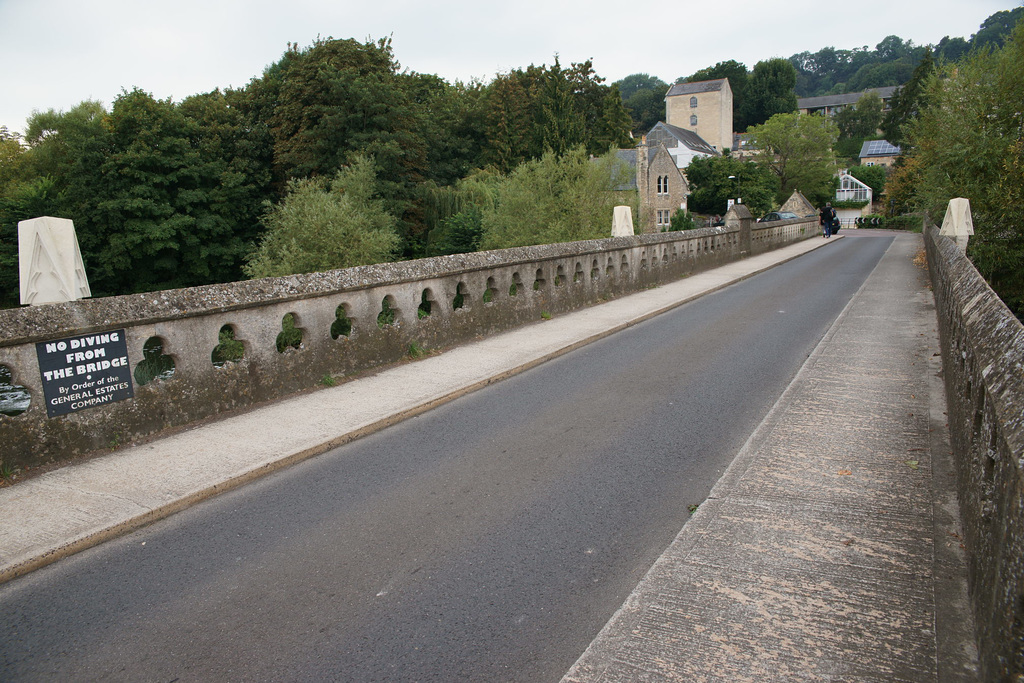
[(829, 549), (75, 507)]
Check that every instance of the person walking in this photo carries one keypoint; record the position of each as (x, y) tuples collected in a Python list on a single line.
[(827, 219)]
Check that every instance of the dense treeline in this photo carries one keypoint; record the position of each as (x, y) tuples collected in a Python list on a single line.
[(828, 71), (167, 194), (964, 137)]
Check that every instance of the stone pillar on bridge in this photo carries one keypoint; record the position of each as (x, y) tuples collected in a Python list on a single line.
[(622, 222), (958, 224), (739, 216), (50, 262)]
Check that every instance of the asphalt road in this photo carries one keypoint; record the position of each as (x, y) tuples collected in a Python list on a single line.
[(487, 540)]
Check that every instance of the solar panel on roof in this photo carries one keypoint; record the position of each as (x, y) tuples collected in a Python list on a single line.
[(882, 147)]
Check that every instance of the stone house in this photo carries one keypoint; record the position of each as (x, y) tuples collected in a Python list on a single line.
[(799, 204), (829, 105), (704, 108), (660, 185), (878, 153)]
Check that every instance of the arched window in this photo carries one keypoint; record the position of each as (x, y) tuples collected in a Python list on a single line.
[(693, 103), (693, 120)]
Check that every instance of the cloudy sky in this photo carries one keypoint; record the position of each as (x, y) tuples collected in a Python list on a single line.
[(56, 53)]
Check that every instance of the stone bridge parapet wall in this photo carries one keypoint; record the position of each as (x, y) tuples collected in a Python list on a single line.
[(434, 303), (983, 365)]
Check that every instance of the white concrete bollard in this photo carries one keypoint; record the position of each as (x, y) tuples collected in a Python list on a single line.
[(50, 263), (958, 224), (622, 222)]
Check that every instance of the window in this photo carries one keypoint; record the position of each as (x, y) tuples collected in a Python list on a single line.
[(664, 217), (663, 184), (693, 120), (693, 103)]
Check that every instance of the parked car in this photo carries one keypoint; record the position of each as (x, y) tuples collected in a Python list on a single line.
[(777, 216)]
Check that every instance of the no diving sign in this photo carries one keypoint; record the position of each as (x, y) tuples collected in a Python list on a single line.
[(84, 371)]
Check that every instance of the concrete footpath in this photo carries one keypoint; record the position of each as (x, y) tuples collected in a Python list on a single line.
[(829, 550)]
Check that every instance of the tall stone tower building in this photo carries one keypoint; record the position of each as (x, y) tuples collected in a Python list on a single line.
[(705, 108)]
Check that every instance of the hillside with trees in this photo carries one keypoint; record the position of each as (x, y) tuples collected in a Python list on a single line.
[(171, 194)]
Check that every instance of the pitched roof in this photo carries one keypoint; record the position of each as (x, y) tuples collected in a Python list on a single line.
[(685, 137), (629, 156), (694, 88), (878, 148), (842, 100)]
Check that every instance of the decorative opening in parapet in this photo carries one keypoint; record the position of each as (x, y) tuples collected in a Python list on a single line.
[(595, 270), (228, 349), (559, 276), (14, 399), (609, 270), (426, 306), (491, 291), (388, 312), (517, 284), (539, 281), (461, 299), (675, 253), (155, 364), (290, 336), (342, 325), (624, 266), (643, 264), (577, 275)]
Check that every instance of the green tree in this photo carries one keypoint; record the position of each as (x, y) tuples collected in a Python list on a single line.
[(994, 31), (798, 150), (458, 234), (531, 111), (643, 97), (510, 104), (555, 199), (646, 108), (338, 98), (952, 49), (58, 141), (861, 120), (966, 142), (155, 201), (615, 124), (450, 123), (872, 176), (634, 83), (30, 199), (715, 180), (322, 225), (561, 124), (12, 159), (232, 175), (907, 101), (770, 91), (681, 220)]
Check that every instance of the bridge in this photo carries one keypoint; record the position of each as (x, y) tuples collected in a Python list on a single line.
[(793, 502)]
